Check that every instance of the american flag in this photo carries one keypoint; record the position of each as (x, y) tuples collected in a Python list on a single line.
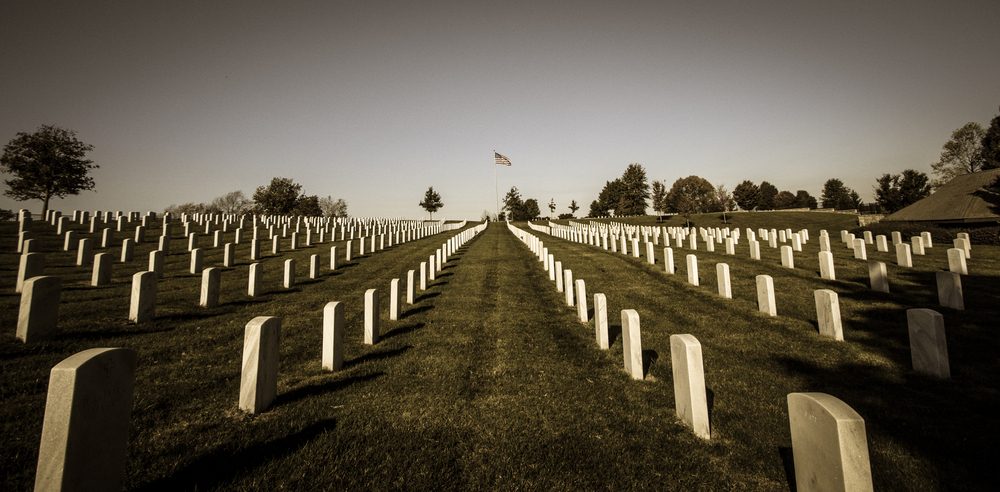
[(501, 160)]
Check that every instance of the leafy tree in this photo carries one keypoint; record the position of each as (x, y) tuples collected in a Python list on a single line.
[(784, 200), (724, 201), (51, 162), (552, 205), (308, 206), (804, 200), (837, 196), (895, 191), (277, 198), (608, 199), (531, 210), (597, 209), (691, 195), (746, 195), (659, 196), (186, 208), (573, 207), (234, 202), (432, 201), (333, 208), (766, 195), (635, 191), (960, 155), (990, 145)]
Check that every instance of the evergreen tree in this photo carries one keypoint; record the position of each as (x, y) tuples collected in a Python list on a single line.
[(746, 195), (766, 195), (431, 202)]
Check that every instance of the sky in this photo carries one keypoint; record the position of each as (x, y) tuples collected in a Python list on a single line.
[(374, 102)]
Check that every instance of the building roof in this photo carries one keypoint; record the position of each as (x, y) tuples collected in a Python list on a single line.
[(962, 199)]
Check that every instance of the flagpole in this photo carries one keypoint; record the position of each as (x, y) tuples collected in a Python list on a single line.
[(496, 185)]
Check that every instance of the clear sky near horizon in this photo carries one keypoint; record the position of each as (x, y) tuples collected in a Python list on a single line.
[(375, 101)]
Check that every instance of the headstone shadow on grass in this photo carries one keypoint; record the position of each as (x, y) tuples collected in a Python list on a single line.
[(223, 464), (417, 310), (402, 330), (376, 355), (614, 333), (332, 384), (649, 357), (427, 295), (785, 452)]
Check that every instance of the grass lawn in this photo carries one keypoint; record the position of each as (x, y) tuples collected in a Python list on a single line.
[(489, 382)]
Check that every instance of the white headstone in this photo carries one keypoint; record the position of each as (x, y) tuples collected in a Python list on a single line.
[(254, 279), (371, 317), (333, 336), (829, 444), (668, 260), (259, 377), (87, 417), (722, 279), (878, 276), (928, 344), (765, 295), (142, 305), (956, 261), (949, 287), (787, 257), (828, 314), (632, 343), (601, 320), (581, 301), (38, 315), (30, 265), (289, 277), (826, 268), (101, 274), (690, 397), (394, 299), (692, 269), (568, 286), (210, 280)]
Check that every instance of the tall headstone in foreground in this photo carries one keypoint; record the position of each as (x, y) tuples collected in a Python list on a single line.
[(765, 295), (690, 398), (632, 343), (85, 428), (259, 377), (949, 287), (829, 444), (928, 345), (371, 317), (333, 336), (828, 314), (601, 320), (142, 305), (39, 311)]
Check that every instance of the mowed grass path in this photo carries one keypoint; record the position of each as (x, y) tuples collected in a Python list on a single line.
[(921, 431)]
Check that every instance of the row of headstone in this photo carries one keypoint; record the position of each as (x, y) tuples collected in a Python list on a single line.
[(691, 403)]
